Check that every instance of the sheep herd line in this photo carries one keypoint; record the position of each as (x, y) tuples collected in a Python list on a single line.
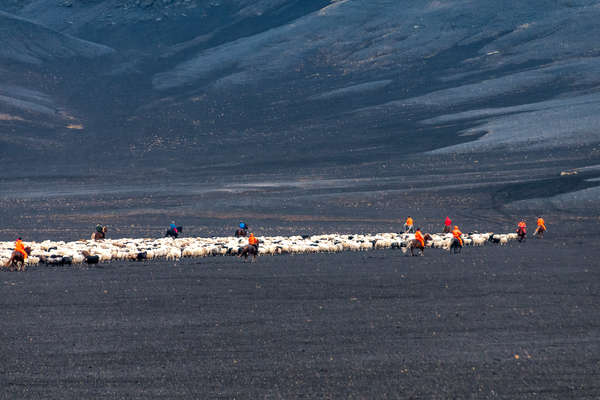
[(90, 251)]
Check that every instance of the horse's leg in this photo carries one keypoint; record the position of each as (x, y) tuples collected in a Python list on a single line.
[(12, 264)]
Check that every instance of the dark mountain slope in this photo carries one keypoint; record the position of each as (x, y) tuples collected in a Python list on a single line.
[(34, 117), (214, 87)]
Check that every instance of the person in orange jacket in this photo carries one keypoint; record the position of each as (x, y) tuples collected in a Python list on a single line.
[(20, 247), (541, 227), (456, 234), (252, 240), (419, 237), (409, 225)]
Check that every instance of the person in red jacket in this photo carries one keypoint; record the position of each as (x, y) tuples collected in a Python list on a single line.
[(447, 225), (521, 230)]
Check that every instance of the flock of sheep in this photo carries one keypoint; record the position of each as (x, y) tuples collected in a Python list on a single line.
[(82, 251)]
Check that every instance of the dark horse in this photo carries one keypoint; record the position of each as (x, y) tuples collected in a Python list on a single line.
[(521, 233), (17, 260), (100, 235), (455, 245), (240, 232), (174, 233), (539, 232), (249, 250), (447, 229), (415, 244)]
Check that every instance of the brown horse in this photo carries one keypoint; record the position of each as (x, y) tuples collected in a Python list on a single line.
[(100, 235), (415, 244), (249, 250), (17, 260), (240, 232)]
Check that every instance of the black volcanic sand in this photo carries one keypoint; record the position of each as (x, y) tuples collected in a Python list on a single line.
[(520, 321)]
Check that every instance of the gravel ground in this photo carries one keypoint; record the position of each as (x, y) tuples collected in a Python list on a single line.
[(520, 321)]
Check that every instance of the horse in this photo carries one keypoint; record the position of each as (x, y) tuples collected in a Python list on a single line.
[(172, 233), (539, 232), (17, 260), (447, 229), (415, 244), (521, 233), (249, 250), (100, 235), (240, 232), (455, 245)]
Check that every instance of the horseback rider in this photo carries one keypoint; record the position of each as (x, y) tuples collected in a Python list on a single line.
[(20, 247), (541, 225), (251, 248), (172, 231), (408, 226), (420, 238), (252, 240), (456, 234), (447, 225), (242, 230), (521, 230)]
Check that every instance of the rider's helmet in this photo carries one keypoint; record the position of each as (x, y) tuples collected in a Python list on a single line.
[(455, 226)]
